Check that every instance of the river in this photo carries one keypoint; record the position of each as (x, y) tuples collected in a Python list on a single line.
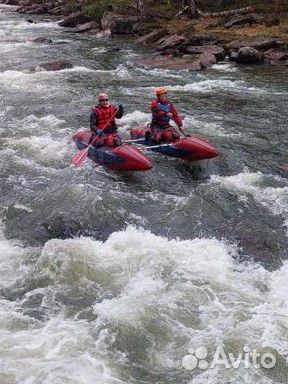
[(114, 278)]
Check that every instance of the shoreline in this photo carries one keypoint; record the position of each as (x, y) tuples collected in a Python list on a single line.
[(191, 44)]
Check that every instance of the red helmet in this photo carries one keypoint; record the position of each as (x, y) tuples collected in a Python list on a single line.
[(160, 91), (103, 96)]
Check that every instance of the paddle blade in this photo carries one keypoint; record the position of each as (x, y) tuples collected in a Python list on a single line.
[(79, 159)]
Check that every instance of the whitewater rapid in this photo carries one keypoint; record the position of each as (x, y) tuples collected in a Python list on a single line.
[(116, 278)]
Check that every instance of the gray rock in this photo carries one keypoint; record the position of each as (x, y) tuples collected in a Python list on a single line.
[(151, 37), (114, 49), (168, 42), (240, 21), (42, 40), (249, 55), (215, 50), (207, 59), (233, 55)]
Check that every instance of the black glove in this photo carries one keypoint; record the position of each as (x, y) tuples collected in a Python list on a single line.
[(120, 108)]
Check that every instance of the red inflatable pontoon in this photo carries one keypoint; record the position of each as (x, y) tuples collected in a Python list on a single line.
[(123, 158)]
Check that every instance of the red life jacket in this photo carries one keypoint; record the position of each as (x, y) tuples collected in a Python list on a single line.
[(104, 115)]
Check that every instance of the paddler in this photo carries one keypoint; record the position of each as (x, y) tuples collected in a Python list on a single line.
[(103, 124), (163, 111)]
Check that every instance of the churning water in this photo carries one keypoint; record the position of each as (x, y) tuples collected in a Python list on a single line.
[(112, 278)]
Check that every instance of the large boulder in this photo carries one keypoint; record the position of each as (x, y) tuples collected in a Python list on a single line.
[(170, 41), (249, 55), (56, 65), (118, 24), (151, 37), (240, 21), (73, 20)]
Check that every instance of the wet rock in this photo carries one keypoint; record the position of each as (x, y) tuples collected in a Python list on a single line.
[(207, 59), (233, 55), (155, 60), (56, 65), (106, 34), (113, 49), (215, 50), (249, 55), (42, 40), (152, 37), (86, 27), (170, 61), (118, 24), (196, 65), (73, 20), (30, 21), (240, 21), (168, 42)]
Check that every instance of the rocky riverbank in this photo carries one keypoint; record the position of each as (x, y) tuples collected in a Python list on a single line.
[(248, 38)]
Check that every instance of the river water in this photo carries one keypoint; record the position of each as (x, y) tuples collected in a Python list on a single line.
[(115, 278)]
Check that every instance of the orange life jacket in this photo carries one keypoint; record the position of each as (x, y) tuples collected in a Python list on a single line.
[(104, 115)]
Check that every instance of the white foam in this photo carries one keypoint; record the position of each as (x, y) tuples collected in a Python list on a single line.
[(66, 70), (100, 49), (21, 207), (14, 26), (209, 128), (275, 199), (26, 82), (61, 351), (159, 72), (44, 149), (10, 259), (229, 67), (8, 47), (136, 117), (170, 294), (208, 86)]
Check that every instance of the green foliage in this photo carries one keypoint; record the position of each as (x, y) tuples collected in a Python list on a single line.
[(94, 9), (223, 5)]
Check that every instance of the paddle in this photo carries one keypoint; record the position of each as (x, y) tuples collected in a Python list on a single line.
[(80, 158)]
